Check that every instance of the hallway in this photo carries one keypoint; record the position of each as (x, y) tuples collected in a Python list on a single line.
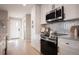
[(20, 22), (20, 47)]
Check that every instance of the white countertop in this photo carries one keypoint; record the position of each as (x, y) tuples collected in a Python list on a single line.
[(69, 37)]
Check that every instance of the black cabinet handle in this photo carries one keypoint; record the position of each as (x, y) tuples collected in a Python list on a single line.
[(67, 43)]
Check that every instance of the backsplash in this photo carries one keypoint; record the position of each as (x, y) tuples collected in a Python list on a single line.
[(63, 27)]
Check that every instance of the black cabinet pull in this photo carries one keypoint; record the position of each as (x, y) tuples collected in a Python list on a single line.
[(67, 43)]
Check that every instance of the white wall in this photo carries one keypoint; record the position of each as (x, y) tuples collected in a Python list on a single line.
[(35, 27)]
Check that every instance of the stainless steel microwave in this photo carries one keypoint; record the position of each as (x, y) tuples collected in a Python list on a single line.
[(55, 15)]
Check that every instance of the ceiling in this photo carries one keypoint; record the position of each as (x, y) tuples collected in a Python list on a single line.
[(17, 10)]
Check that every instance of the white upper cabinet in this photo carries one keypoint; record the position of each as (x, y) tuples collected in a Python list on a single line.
[(45, 8), (43, 12), (71, 11)]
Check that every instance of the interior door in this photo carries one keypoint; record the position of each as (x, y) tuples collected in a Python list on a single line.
[(15, 29)]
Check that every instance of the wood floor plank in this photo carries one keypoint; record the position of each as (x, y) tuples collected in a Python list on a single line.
[(20, 47)]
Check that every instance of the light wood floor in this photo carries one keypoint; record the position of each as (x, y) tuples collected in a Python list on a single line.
[(20, 47)]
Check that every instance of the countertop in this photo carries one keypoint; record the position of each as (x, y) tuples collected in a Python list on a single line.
[(63, 36), (69, 37)]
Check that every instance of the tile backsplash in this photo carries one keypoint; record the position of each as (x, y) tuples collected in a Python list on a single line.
[(63, 27)]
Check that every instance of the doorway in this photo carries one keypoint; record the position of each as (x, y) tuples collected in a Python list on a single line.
[(15, 27), (14, 35)]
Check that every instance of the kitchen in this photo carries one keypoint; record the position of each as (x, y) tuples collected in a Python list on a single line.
[(66, 29), (54, 28)]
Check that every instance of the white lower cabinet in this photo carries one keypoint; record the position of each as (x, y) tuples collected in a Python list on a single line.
[(68, 47)]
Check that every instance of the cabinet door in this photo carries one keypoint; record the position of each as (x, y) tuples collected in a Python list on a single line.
[(46, 8), (2, 48), (71, 11), (43, 14), (64, 49), (68, 47)]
